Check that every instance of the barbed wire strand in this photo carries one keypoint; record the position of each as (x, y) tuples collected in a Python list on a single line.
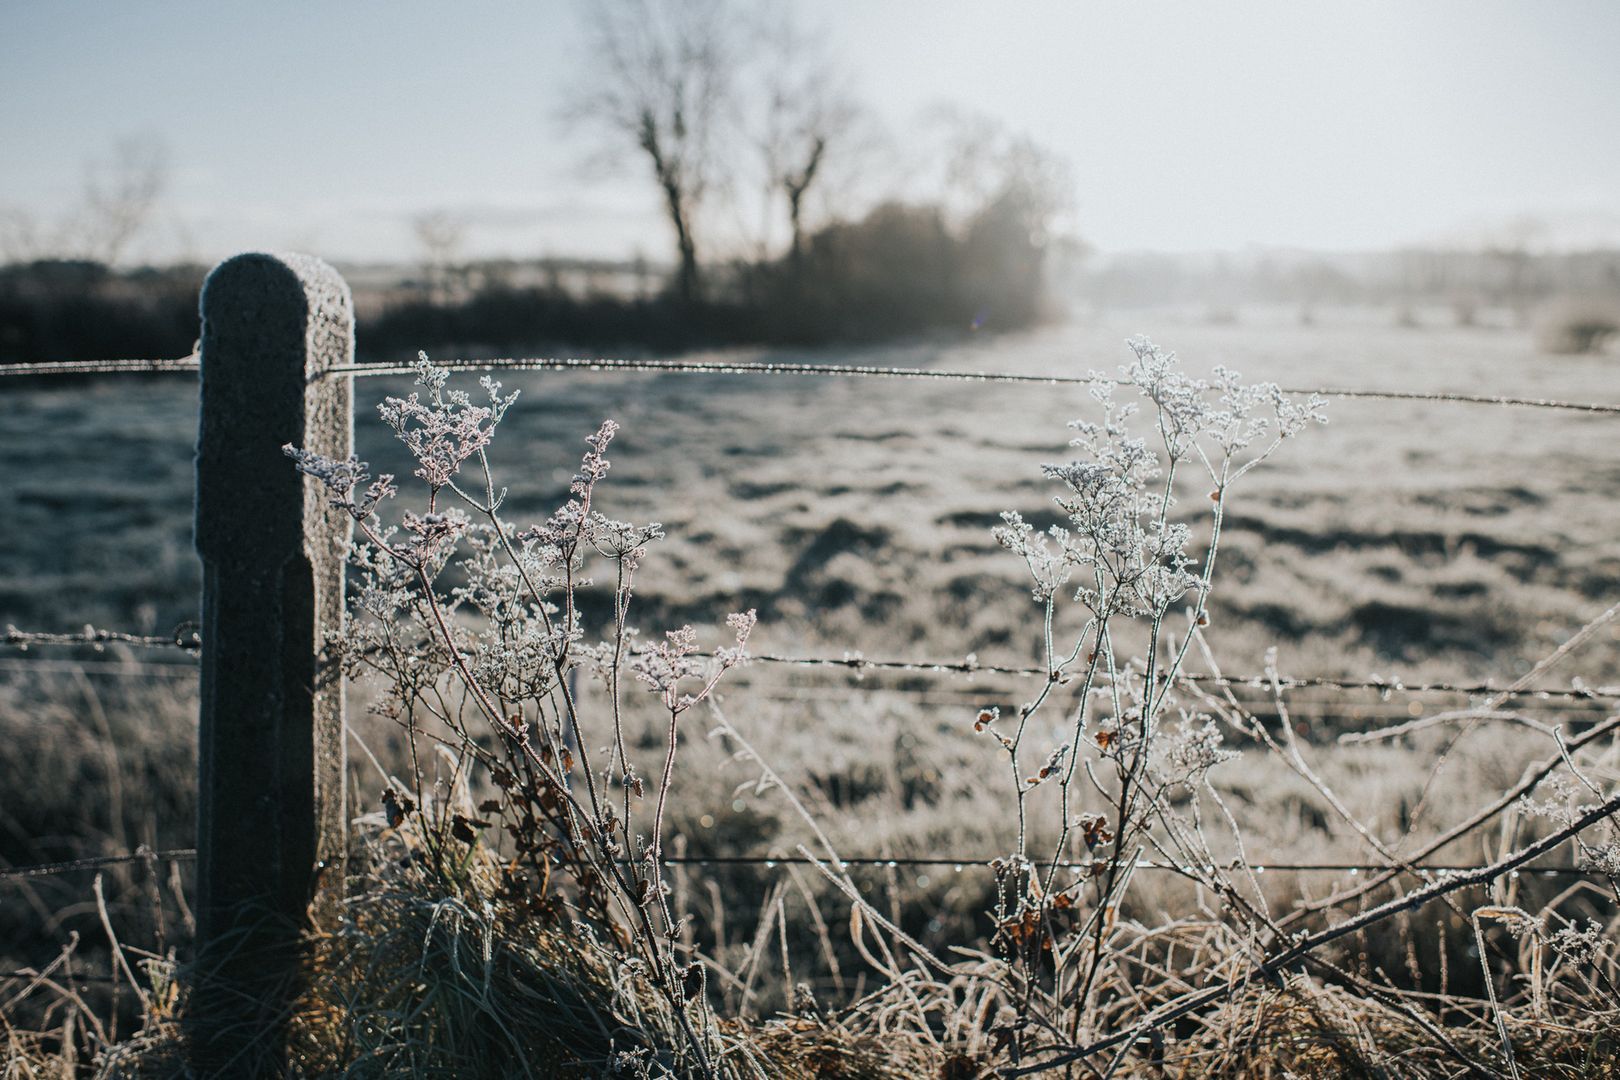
[(886, 862), (104, 367), (98, 862), (186, 638), (981, 862), (73, 979), (1326, 707), (725, 367), (976, 693), (971, 666)]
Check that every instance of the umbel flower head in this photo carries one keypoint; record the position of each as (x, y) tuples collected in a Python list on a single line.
[(1119, 541)]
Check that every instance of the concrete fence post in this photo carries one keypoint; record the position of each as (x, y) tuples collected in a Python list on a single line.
[(272, 825)]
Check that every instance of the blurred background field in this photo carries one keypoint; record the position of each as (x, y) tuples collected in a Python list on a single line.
[(1440, 540), (1408, 540)]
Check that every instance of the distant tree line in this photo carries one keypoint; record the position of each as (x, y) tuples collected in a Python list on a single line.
[(73, 309), (899, 270)]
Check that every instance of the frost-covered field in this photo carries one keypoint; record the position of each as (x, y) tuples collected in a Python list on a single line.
[(1406, 538), (1436, 539)]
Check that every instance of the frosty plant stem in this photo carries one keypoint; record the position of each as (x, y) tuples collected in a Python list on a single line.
[(1124, 557), (510, 635)]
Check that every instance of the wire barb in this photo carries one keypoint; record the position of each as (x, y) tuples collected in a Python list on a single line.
[(98, 862), (186, 637)]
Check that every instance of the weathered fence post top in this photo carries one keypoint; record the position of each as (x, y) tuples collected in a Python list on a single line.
[(272, 324), (272, 823)]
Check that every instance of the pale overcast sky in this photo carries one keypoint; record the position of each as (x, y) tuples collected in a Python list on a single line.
[(1189, 125)]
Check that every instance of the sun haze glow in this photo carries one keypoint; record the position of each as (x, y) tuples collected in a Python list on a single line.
[(1189, 126)]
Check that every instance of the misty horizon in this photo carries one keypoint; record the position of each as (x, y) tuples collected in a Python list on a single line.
[(1182, 130)]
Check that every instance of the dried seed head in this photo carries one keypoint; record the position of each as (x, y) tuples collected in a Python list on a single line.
[(1094, 829), (396, 805), (692, 981)]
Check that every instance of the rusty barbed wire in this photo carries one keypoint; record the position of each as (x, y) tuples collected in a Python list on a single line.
[(971, 666), (958, 863), (73, 979), (98, 862)]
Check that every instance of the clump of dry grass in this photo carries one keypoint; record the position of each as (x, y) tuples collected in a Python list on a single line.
[(427, 976), (417, 982), (98, 762), (33, 1055), (1300, 1027)]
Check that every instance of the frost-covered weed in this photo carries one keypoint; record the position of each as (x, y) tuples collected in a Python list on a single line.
[(472, 625), (1127, 557), (1563, 804)]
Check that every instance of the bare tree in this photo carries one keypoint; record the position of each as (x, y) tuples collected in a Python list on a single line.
[(986, 161), (806, 114), (440, 234), (120, 195), (664, 88)]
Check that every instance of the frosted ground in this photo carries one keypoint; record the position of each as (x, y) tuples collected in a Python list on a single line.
[(1408, 539), (1439, 539)]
